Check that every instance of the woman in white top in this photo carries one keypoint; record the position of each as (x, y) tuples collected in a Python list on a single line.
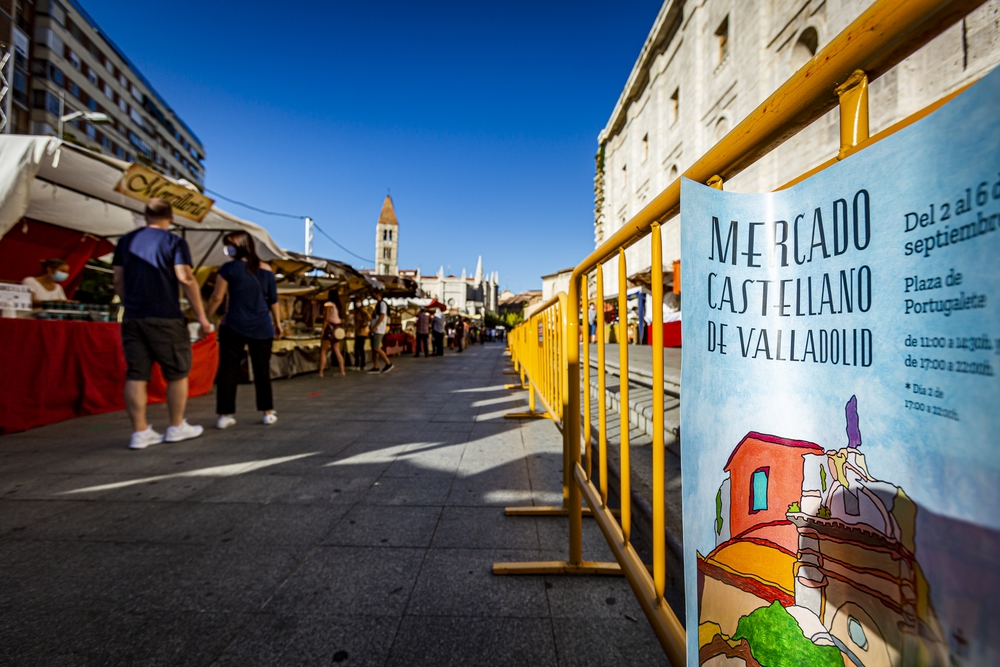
[(46, 287), (333, 326)]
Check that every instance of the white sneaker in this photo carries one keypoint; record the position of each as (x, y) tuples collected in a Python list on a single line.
[(183, 432), (270, 418), (143, 439), (225, 421)]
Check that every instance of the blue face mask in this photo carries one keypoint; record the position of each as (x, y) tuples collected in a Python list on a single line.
[(60, 276)]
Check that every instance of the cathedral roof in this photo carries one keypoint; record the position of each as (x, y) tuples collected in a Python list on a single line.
[(388, 214)]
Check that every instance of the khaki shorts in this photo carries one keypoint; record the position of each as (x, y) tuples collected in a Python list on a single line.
[(161, 339)]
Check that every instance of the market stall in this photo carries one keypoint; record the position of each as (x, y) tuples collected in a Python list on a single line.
[(60, 200), (57, 370), (301, 297), (397, 291)]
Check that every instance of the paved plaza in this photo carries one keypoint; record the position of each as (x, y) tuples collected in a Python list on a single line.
[(359, 530)]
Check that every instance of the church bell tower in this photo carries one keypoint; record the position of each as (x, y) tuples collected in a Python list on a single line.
[(387, 241)]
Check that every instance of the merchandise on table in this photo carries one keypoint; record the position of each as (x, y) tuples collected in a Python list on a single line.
[(80, 312)]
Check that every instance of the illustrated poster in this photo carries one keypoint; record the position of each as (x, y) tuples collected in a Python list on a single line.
[(841, 407)]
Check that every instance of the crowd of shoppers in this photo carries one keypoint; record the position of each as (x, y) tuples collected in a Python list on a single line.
[(152, 265)]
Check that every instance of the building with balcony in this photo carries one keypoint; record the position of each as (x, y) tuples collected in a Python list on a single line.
[(16, 19), (75, 66)]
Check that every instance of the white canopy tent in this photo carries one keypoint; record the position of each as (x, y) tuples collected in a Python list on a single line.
[(46, 179)]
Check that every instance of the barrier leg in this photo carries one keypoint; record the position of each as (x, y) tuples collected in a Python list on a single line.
[(530, 414), (571, 445)]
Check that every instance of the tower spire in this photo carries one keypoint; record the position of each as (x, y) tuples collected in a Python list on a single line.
[(387, 240)]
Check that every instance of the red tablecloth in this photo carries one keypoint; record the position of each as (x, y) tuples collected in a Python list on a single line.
[(671, 334), (54, 370), (397, 343)]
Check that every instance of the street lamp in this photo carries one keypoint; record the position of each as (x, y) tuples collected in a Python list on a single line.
[(94, 117)]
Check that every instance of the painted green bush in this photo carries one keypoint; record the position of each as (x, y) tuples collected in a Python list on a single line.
[(777, 641)]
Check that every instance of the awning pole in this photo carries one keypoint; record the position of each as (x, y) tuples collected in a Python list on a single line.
[(209, 251)]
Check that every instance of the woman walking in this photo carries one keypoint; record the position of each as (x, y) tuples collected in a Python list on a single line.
[(252, 320), (333, 331)]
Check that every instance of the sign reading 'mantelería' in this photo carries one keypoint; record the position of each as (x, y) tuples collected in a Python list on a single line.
[(841, 368), (143, 184)]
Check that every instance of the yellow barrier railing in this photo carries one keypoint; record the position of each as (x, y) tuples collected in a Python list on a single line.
[(885, 34), (538, 353)]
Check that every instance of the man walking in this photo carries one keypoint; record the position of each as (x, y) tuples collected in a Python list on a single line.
[(379, 324), (361, 333), (438, 330), (423, 330), (149, 265)]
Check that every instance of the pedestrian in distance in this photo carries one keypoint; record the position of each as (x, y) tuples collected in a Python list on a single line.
[(362, 320), (333, 331), (252, 320), (423, 332), (592, 322), (460, 335), (380, 322), (438, 333), (151, 264)]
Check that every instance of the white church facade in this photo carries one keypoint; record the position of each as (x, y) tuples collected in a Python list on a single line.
[(473, 295)]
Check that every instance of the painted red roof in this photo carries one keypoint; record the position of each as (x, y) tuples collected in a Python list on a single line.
[(773, 439)]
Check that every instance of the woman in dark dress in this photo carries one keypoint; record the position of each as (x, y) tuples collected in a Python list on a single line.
[(252, 321)]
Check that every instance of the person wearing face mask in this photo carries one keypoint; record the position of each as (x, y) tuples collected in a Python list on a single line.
[(252, 321), (46, 287)]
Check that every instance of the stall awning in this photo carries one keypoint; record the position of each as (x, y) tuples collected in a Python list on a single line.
[(46, 179), (338, 274)]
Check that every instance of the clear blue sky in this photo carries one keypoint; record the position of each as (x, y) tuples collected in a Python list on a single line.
[(481, 117)]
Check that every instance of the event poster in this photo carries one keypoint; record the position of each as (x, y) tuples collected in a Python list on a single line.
[(841, 406)]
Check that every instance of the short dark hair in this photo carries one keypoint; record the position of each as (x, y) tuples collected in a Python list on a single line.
[(53, 263), (159, 209)]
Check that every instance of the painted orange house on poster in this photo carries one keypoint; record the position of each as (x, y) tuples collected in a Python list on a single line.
[(814, 558), (761, 494), (756, 544)]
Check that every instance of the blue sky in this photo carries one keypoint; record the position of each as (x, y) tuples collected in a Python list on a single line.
[(481, 117)]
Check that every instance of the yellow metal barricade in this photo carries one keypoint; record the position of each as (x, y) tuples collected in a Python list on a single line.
[(885, 34)]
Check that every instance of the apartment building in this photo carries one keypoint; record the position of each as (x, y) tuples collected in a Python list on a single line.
[(75, 66), (707, 64), (16, 17)]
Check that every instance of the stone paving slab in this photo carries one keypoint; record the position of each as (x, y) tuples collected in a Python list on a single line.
[(359, 530)]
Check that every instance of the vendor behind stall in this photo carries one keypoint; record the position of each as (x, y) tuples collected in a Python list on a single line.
[(46, 287)]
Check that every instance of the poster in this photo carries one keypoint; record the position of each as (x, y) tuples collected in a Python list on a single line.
[(841, 406)]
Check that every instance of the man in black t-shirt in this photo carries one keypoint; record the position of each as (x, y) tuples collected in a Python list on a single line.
[(150, 266)]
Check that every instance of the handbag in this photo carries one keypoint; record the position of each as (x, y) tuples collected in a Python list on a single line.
[(339, 333)]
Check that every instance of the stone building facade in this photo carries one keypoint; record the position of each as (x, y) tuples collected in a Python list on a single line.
[(707, 64)]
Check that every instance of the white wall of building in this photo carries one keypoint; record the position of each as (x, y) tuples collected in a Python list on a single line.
[(652, 136)]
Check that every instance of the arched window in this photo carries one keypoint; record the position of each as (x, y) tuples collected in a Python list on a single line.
[(857, 633), (674, 173), (721, 129), (805, 48)]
